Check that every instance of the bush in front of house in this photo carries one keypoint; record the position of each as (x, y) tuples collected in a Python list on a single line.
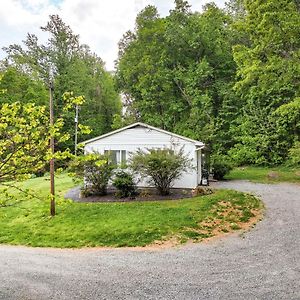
[(96, 169), (124, 183), (161, 167), (221, 167)]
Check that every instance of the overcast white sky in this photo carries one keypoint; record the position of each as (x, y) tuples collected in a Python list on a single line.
[(100, 23)]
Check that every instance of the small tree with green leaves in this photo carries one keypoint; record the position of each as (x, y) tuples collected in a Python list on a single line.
[(24, 146), (24, 141), (24, 137), (162, 166), (96, 169)]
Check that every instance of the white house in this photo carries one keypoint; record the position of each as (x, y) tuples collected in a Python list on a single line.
[(124, 141)]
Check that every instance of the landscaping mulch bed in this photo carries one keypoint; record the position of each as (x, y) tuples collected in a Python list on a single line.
[(144, 194)]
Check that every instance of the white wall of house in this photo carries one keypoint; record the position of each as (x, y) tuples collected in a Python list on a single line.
[(132, 139)]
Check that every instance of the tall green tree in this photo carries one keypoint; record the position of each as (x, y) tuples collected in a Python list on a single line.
[(268, 78), (19, 86), (176, 70), (74, 68)]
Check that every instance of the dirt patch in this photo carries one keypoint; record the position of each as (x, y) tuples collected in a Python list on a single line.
[(243, 227), (226, 222), (273, 175)]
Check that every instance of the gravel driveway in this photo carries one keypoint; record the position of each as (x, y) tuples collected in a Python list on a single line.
[(261, 264)]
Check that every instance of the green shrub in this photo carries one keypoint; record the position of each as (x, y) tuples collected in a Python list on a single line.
[(85, 192), (162, 166), (294, 155), (221, 167), (124, 184), (96, 169)]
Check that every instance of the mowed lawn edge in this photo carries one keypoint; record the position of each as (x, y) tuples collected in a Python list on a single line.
[(130, 224), (265, 175)]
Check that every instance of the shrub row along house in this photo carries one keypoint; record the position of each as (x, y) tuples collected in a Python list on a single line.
[(126, 141)]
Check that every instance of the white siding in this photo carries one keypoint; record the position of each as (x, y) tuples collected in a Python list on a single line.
[(140, 137)]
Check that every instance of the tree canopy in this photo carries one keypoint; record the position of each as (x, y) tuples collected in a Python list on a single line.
[(268, 77), (28, 67), (228, 77), (220, 76)]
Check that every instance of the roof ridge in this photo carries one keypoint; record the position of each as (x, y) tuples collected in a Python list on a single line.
[(144, 125)]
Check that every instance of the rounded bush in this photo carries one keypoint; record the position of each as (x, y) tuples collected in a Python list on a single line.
[(221, 168), (124, 184)]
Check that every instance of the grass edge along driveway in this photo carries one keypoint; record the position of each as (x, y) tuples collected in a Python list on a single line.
[(265, 175), (122, 224)]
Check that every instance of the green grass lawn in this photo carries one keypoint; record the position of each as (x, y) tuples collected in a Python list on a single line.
[(120, 224), (266, 175)]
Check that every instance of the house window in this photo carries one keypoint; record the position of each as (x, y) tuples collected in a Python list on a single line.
[(118, 157)]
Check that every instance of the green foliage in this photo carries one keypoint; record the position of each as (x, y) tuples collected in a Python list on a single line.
[(24, 143), (268, 82), (96, 169), (176, 70), (117, 122), (163, 166), (179, 73), (236, 9), (20, 86), (227, 77), (24, 138), (221, 166), (288, 119), (124, 182), (294, 155), (108, 224), (25, 132), (75, 68)]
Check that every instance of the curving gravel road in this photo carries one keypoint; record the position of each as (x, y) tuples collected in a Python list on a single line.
[(261, 264)]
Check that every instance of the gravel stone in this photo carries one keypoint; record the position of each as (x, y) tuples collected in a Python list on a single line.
[(263, 263)]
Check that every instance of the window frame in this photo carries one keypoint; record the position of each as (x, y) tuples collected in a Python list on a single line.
[(118, 157)]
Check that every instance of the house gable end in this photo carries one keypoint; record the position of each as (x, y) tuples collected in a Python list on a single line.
[(140, 136), (134, 131)]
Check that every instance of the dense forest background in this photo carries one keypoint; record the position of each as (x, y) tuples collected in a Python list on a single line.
[(228, 77)]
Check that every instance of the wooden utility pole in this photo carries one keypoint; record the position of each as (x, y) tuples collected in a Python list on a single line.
[(76, 127), (52, 190)]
